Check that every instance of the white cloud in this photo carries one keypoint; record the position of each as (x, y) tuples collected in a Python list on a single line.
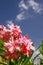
[(20, 16), (22, 5), (35, 6), (23, 15), (9, 22), (25, 8)]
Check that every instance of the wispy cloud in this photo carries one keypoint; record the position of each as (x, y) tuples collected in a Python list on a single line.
[(10, 22), (25, 7), (20, 16), (35, 6), (22, 5)]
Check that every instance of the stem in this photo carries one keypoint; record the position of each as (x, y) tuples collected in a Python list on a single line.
[(10, 63), (24, 63)]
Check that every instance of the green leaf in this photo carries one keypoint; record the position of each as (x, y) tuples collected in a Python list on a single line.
[(41, 61), (30, 62), (11, 63), (1, 43), (41, 48)]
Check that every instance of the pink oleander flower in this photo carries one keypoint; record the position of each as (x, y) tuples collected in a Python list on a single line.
[(25, 51), (2, 27), (23, 46), (12, 45), (11, 55), (14, 31), (27, 42), (4, 34), (14, 28), (16, 44)]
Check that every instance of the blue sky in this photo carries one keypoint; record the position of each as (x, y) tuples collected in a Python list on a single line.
[(28, 14)]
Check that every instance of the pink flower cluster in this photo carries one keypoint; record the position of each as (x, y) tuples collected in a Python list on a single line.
[(14, 43)]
